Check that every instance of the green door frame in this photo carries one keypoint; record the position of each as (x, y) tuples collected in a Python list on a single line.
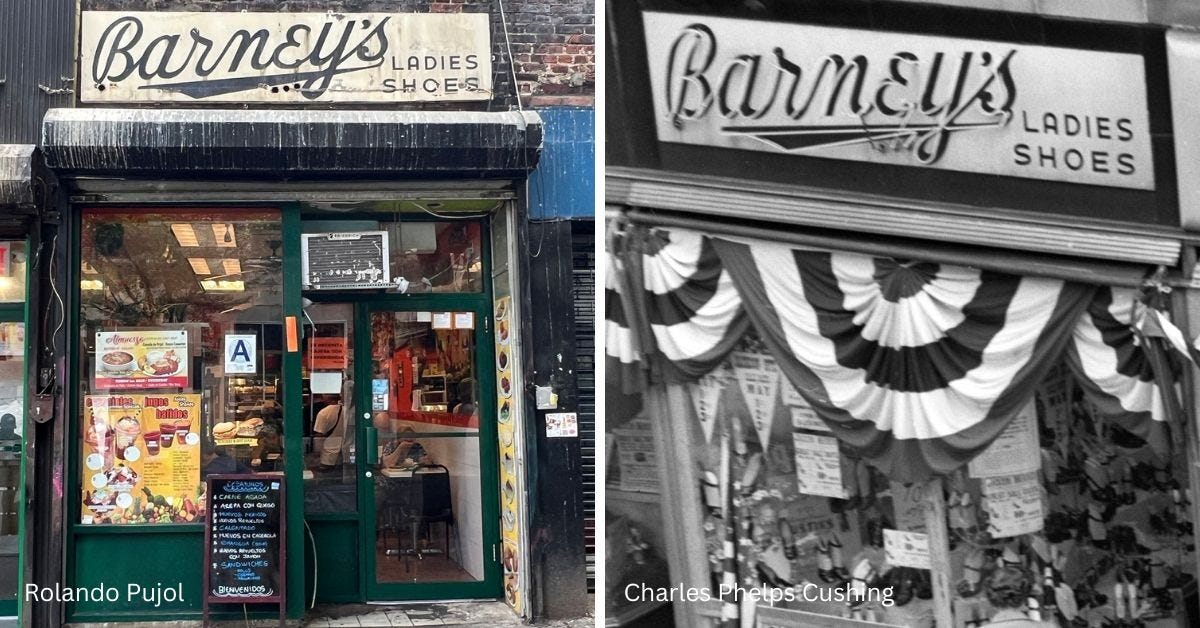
[(19, 313), (490, 586), (364, 303)]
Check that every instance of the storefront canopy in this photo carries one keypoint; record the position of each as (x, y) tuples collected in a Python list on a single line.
[(16, 174), (916, 366), (291, 144)]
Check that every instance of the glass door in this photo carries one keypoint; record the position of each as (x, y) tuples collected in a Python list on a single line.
[(428, 483)]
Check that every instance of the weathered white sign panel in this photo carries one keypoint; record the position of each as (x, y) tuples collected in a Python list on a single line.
[(957, 104), (284, 57)]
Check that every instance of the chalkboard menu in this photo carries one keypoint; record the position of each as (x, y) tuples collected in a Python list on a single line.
[(342, 261), (244, 539)]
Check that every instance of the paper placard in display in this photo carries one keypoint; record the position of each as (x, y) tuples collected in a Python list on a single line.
[(325, 382), (787, 392), (562, 424), (464, 320), (1013, 504), (635, 455), (140, 359), (706, 394), (818, 465), (758, 379), (906, 549), (1015, 451), (805, 418), (241, 351), (442, 320), (379, 395)]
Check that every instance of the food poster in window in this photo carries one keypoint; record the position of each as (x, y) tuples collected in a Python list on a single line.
[(141, 359), (510, 505), (141, 459)]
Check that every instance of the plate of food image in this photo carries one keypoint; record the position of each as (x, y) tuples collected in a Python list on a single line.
[(121, 478), (161, 363), (505, 412), (501, 310), (502, 359), (505, 384), (502, 331), (118, 362)]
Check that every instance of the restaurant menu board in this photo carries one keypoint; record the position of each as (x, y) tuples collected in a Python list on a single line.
[(141, 459), (141, 359), (244, 539)]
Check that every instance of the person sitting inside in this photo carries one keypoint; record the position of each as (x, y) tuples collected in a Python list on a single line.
[(267, 455), (1007, 590), (404, 451), (215, 461)]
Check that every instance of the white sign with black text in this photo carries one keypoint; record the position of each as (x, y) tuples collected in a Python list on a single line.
[(129, 56), (1057, 114)]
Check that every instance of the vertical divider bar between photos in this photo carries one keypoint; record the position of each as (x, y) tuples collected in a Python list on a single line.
[(293, 431), (1185, 309), (679, 493)]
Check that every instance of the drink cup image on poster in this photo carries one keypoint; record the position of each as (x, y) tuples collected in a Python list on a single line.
[(241, 354), (141, 359), (141, 459)]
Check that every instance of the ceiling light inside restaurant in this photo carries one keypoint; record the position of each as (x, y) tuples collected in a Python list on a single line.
[(185, 234), (91, 285), (222, 285), (200, 266), (88, 270), (232, 266), (224, 235)]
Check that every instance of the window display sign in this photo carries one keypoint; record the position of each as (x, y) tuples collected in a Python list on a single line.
[(327, 353), (636, 457), (12, 340), (818, 465), (133, 56), (1015, 451), (141, 359), (901, 99), (1014, 504), (758, 377), (241, 354), (906, 549), (141, 459)]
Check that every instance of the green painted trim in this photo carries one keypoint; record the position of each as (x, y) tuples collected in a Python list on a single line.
[(158, 528), (331, 516), (293, 428), (366, 507)]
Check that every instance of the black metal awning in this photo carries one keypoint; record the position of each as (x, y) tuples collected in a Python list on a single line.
[(16, 175), (290, 144)]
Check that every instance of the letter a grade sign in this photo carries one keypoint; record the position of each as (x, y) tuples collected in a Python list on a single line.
[(240, 352)]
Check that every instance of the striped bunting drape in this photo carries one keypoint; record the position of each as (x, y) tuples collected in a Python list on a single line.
[(916, 366)]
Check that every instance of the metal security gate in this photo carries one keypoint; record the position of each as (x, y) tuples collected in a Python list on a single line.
[(584, 282)]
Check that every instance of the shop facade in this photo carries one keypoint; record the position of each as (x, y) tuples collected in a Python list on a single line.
[(887, 312), (291, 244)]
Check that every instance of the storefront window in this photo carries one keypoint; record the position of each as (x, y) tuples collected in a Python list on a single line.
[(12, 272), (422, 256), (181, 359), (12, 413)]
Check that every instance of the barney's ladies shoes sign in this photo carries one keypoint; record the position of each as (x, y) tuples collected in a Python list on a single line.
[(974, 106), (284, 57)]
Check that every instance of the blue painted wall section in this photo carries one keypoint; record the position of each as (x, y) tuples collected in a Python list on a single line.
[(564, 186)]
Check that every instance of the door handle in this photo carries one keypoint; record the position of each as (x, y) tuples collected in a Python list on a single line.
[(371, 445)]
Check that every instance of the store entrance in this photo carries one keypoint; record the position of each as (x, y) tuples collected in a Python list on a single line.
[(427, 476)]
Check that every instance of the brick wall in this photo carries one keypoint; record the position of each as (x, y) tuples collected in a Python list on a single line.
[(553, 41)]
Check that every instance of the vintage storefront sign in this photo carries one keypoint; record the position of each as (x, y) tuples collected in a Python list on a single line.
[(1056, 114), (141, 359), (284, 57), (141, 459)]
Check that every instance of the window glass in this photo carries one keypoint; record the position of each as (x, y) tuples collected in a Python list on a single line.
[(329, 418), (424, 256), (181, 359), (12, 410), (12, 272)]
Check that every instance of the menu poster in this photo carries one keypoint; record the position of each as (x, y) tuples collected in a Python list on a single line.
[(141, 459), (906, 549), (1013, 504), (705, 395), (818, 465), (758, 378), (244, 557), (1015, 451), (141, 359), (635, 455)]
